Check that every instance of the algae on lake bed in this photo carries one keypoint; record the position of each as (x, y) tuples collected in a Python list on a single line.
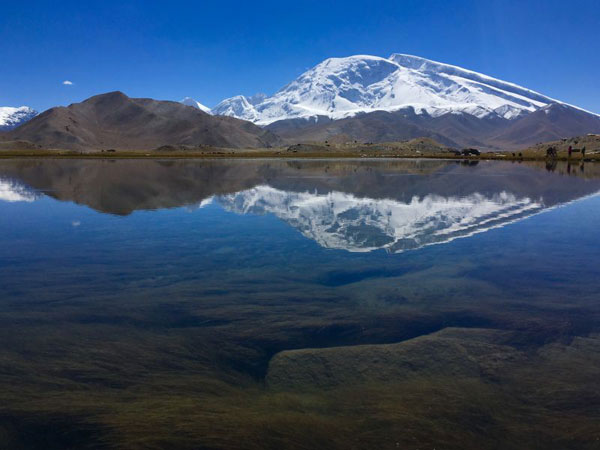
[(220, 325)]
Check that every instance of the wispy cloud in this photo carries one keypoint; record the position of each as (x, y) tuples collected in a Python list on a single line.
[(67, 83)]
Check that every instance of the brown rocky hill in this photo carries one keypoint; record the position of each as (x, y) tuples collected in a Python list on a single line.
[(554, 122), (378, 126), (456, 130), (116, 121)]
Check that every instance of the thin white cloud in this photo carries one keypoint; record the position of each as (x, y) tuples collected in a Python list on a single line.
[(67, 83)]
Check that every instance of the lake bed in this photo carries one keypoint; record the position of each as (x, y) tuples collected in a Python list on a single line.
[(318, 303)]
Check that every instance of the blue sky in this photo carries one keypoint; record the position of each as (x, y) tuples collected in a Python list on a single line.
[(213, 50)]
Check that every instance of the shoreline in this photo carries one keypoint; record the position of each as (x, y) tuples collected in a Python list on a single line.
[(59, 154)]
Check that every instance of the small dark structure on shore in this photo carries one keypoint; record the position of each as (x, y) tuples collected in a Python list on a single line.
[(470, 152), (551, 152)]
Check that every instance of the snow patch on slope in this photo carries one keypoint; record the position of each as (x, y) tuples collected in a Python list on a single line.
[(188, 101), (11, 117)]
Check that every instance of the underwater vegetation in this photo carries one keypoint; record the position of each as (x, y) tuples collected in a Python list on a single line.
[(149, 321)]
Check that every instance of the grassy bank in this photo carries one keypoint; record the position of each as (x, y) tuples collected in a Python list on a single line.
[(284, 154)]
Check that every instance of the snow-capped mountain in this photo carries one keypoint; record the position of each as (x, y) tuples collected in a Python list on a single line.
[(189, 101), (11, 117), (240, 106), (343, 221), (343, 87)]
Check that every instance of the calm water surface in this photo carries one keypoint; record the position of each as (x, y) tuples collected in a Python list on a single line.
[(299, 304)]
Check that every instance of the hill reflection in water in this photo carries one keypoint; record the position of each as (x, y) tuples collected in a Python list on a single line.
[(351, 205), (189, 304)]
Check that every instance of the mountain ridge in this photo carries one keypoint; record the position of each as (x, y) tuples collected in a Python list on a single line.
[(360, 98), (115, 121)]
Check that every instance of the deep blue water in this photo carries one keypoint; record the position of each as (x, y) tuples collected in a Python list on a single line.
[(110, 264)]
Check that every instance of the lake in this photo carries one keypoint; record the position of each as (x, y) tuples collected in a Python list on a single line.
[(306, 304)]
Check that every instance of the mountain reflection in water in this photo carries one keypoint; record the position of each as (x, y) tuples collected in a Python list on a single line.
[(188, 304), (351, 205), (343, 221)]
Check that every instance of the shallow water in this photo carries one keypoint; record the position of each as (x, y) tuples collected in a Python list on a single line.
[(299, 304)]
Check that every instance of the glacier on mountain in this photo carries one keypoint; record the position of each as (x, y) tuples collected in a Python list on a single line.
[(343, 87), (189, 101), (11, 117), (238, 106)]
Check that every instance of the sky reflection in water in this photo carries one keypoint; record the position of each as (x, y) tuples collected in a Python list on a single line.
[(126, 280)]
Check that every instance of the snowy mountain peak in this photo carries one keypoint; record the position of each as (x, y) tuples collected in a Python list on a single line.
[(11, 117), (257, 98), (241, 107), (344, 87), (188, 101), (238, 106)]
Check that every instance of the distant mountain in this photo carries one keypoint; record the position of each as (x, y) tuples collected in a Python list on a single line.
[(114, 120), (11, 117), (404, 97), (551, 122), (240, 106), (343, 87), (359, 98), (188, 101)]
